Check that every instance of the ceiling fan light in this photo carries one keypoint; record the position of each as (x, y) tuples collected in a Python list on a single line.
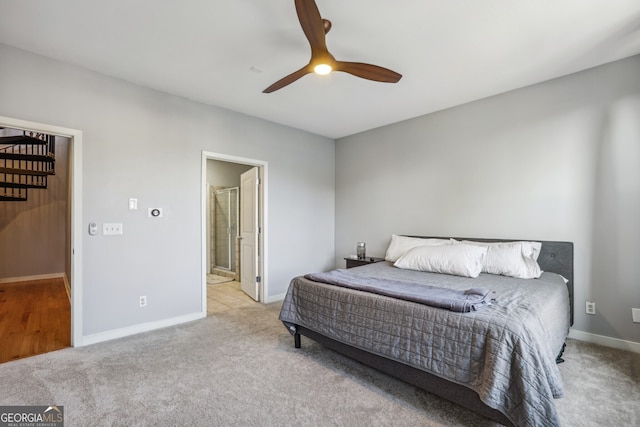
[(322, 69)]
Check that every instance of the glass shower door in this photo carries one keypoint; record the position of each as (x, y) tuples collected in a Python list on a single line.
[(226, 228)]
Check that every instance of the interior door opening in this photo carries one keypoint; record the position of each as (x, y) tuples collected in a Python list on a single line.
[(234, 250), (67, 200)]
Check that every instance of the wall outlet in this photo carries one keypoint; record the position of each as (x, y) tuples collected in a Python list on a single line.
[(110, 229), (591, 307), (143, 301), (635, 315)]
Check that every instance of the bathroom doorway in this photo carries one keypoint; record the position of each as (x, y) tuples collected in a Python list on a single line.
[(222, 237)]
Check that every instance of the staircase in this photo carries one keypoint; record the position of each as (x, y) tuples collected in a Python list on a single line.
[(25, 162)]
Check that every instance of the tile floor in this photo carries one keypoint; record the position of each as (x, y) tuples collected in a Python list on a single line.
[(216, 279), (227, 296)]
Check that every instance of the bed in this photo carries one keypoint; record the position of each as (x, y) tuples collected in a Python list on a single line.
[(498, 360)]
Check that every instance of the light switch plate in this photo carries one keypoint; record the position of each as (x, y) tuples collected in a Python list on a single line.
[(635, 315), (110, 229)]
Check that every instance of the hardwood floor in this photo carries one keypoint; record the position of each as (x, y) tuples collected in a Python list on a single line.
[(35, 318)]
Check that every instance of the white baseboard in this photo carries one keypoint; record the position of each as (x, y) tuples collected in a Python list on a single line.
[(605, 341), (275, 298), (137, 329), (67, 286), (62, 276), (29, 278)]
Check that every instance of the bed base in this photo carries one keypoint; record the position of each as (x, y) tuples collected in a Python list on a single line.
[(453, 392), (559, 358)]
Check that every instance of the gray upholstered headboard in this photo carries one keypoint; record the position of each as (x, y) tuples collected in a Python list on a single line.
[(556, 257)]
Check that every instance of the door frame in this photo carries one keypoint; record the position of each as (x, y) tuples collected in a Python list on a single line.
[(75, 174), (263, 264)]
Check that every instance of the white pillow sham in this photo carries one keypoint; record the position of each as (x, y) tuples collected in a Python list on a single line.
[(459, 260), (399, 245), (515, 259)]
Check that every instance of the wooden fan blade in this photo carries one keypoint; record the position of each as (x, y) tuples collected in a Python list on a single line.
[(368, 71), (315, 29), (288, 79), (312, 25)]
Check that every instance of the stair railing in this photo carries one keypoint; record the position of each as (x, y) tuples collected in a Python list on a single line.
[(25, 162)]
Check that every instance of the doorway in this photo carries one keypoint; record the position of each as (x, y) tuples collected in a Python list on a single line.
[(73, 246), (221, 183)]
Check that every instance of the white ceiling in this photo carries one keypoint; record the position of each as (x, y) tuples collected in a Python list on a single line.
[(225, 53)]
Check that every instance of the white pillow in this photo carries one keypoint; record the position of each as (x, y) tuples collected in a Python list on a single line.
[(401, 244), (515, 259), (459, 260), (533, 248)]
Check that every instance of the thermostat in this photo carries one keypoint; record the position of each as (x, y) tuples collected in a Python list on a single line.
[(155, 212)]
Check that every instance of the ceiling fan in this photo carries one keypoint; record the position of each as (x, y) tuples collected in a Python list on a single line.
[(322, 62)]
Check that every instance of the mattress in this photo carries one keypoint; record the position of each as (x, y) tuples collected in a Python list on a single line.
[(505, 352)]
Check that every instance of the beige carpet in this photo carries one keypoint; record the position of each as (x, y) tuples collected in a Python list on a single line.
[(239, 368)]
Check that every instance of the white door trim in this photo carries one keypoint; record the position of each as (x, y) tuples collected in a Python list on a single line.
[(75, 171), (264, 212)]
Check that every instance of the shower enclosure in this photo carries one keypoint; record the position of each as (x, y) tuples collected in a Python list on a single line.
[(225, 229)]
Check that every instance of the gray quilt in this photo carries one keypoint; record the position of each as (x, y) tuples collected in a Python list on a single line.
[(505, 352), (472, 299)]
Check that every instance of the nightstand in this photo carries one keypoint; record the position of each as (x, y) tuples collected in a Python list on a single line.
[(354, 262)]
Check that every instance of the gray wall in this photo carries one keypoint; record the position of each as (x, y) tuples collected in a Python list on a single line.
[(555, 161), (146, 144), (34, 234)]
